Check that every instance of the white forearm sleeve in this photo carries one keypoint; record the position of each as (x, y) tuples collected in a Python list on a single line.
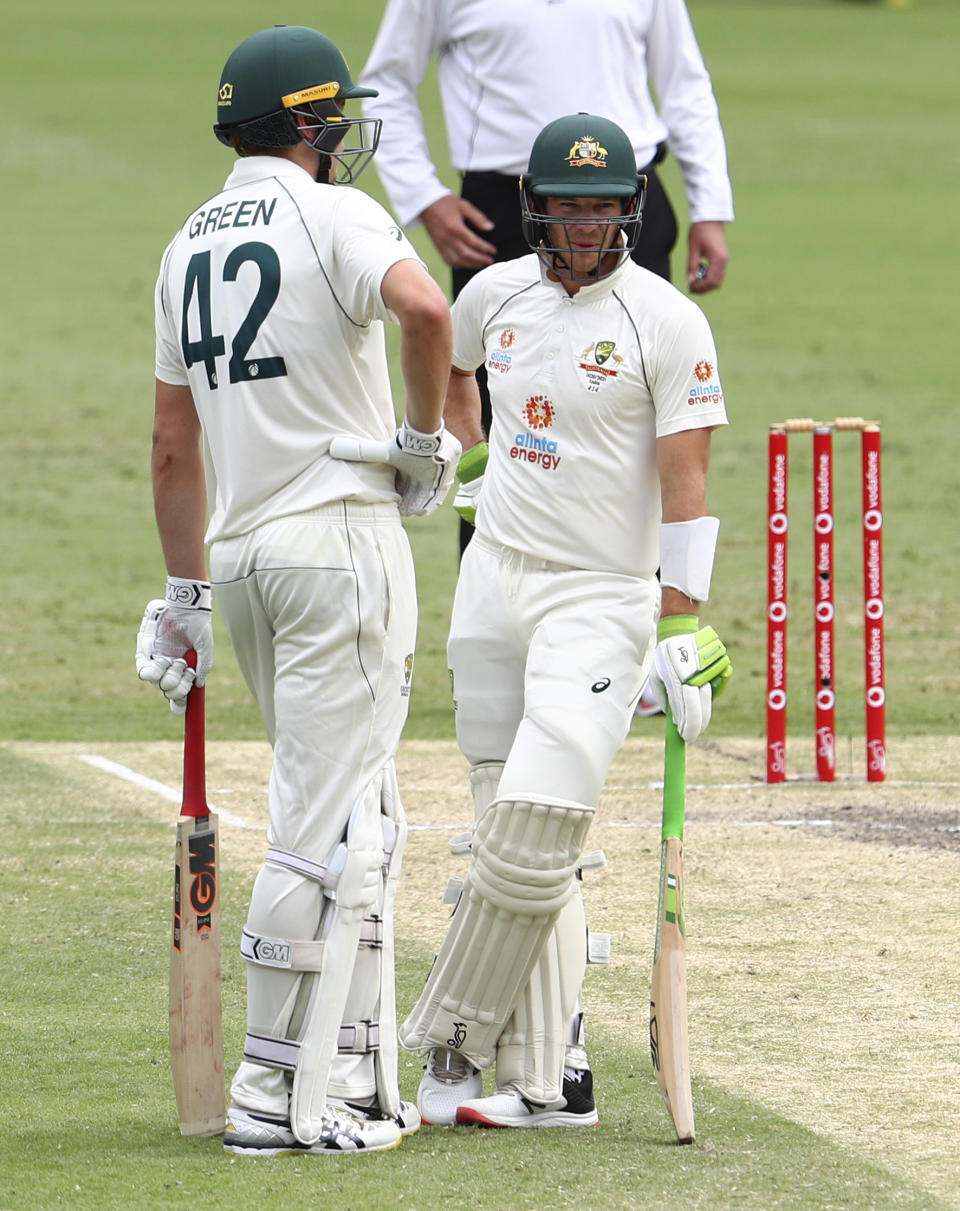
[(687, 552)]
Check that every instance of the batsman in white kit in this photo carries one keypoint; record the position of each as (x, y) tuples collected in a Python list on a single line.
[(604, 391), (270, 312)]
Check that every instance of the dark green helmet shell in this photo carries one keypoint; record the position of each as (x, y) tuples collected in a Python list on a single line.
[(582, 155), (277, 68)]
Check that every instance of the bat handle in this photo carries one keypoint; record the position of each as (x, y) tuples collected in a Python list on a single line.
[(674, 781), (194, 750)]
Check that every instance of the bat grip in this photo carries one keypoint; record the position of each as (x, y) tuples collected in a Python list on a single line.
[(674, 781), (194, 754)]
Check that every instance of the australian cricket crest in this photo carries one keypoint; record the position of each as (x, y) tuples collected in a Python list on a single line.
[(600, 362), (407, 675), (587, 152)]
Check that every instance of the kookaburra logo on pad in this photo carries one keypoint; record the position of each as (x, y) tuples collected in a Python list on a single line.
[(587, 151)]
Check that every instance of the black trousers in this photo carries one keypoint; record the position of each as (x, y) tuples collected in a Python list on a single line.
[(498, 196)]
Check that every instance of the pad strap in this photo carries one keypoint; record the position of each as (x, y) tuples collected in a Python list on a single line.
[(354, 1038)]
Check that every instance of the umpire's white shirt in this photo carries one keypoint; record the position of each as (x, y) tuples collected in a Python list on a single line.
[(508, 67), (268, 307), (581, 387)]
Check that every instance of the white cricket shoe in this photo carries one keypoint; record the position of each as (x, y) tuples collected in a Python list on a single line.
[(250, 1134), (509, 1108), (450, 1079)]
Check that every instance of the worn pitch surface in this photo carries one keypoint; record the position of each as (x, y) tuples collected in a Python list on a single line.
[(823, 921)]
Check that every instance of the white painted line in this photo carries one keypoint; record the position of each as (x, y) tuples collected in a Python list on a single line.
[(160, 788)]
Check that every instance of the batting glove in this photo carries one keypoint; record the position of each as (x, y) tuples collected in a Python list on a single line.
[(470, 471), (168, 630), (690, 666), (424, 463)]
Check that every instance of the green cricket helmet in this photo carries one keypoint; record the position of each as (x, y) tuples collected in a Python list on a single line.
[(292, 70), (581, 156)]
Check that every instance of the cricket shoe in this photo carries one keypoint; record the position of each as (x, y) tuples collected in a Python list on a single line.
[(250, 1134), (449, 1080), (509, 1108), (408, 1120)]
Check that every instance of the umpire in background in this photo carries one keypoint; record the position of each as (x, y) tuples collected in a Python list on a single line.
[(504, 72)]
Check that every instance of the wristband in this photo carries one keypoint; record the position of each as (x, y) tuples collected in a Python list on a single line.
[(412, 441), (687, 552), (473, 464), (189, 594), (677, 624)]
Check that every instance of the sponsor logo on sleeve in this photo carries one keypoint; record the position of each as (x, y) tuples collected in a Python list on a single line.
[(707, 389), (500, 359)]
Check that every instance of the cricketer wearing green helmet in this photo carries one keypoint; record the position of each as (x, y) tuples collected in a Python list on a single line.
[(289, 83), (582, 197)]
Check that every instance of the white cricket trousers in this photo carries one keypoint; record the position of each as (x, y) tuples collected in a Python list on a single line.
[(321, 608), (548, 662)]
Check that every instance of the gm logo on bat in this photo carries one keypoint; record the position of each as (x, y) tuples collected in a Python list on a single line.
[(203, 867)]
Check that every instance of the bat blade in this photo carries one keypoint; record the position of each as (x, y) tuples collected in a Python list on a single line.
[(669, 1044), (196, 1040)]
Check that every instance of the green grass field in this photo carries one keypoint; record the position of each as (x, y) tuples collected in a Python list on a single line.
[(841, 126)]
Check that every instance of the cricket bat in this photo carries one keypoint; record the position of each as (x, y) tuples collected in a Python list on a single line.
[(196, 1041), (668, 989)]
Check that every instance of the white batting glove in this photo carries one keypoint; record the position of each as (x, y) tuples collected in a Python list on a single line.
[(425, 464), (470, 471), (690, 666), (168, 630)]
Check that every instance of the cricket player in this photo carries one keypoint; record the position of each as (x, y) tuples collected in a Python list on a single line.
[(604, 390), (270, 306)]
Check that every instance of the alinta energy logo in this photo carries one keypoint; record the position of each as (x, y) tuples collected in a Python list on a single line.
[(500, 359), (539, 413), (707, 389), (225, 96)]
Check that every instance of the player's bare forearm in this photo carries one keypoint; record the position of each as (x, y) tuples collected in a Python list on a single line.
[(179, 490), (425, 340), (682, 462), (461, 412)]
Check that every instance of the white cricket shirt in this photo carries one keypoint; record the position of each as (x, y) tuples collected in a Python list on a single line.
[(581, 387), (268, 307), (508, 67)]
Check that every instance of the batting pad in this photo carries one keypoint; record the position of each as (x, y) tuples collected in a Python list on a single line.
[(531, 1052), (522, 873)]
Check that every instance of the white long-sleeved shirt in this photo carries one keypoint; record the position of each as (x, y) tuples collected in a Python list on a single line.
[(508, 67)]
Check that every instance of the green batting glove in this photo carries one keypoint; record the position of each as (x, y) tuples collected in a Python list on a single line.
[(470, 471)]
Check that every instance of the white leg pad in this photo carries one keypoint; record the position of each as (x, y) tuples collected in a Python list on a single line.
[(532, 1050), (522, 873), (356, 894), (387, 1059)]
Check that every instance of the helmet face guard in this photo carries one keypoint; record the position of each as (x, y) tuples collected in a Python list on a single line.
[(548, 235), (351, 142), (269, 97), (581, 156)]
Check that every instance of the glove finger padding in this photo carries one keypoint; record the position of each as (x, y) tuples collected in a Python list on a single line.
[(467, 498)]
